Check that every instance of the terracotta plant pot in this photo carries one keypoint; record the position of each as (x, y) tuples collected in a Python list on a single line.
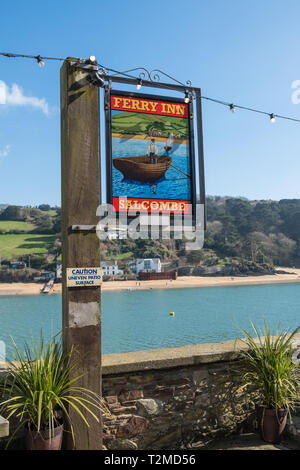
[(41, 440), (271, 423)]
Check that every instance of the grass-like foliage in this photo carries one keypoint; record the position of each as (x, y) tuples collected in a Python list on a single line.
[(268, 367), (40, 389)]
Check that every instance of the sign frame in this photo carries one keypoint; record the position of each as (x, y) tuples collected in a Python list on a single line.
[(108, 92)]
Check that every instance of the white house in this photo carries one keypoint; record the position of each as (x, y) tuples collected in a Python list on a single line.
[(148, 265), (116, 232), (116, 235), (110, 268)]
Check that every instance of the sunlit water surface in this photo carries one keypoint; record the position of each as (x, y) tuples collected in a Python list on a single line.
[(136, 320)]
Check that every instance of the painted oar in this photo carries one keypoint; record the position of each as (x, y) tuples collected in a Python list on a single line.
[(185, 174), (168, 147)]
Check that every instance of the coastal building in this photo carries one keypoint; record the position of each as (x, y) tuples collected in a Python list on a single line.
[(168, 275), (17, 265), (147, 265), (112, 235), (116, 232), (116, 235), (45, 276), (110, 268)]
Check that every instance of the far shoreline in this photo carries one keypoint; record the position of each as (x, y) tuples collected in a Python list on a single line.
[(182, 282), (147, 137)]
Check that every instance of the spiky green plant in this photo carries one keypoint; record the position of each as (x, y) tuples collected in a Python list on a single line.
[(268, 368), (39, 390)]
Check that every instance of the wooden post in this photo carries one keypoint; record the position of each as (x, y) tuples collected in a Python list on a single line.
[(80, 154)]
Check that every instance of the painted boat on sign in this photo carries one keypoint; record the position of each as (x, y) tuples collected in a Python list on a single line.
[(140, 169)]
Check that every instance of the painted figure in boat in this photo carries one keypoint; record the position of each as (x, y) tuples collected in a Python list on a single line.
[(152, 151)]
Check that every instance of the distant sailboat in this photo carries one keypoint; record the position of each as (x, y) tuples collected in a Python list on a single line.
[(169, 143), (168, 148)]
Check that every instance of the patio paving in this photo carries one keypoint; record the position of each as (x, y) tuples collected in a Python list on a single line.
[(252, 442)]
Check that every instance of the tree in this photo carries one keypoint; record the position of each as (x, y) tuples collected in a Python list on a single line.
[(12, 213), (44, 207), (194, 257), (286, 249)]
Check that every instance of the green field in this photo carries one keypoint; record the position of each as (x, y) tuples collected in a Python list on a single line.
[(138, 124), (15, 245), (51, 212), (123, 256), (8, 225)]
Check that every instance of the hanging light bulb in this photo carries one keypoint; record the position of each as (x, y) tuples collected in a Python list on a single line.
[(272, 117), (40, 61), (139, 85), (92, 58), (232, 108), (187, 97)]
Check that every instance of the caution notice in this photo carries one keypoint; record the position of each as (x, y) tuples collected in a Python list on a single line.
[(84, 277)]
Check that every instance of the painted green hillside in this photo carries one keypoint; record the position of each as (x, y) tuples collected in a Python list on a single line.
[(139, 124)]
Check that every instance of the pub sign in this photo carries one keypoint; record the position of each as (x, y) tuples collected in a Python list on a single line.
[(150, 153)]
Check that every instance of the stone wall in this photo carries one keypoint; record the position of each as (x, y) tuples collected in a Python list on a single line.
[(175, 397)]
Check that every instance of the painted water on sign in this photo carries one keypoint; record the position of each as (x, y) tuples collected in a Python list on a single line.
[(139, 320), (174, 185)]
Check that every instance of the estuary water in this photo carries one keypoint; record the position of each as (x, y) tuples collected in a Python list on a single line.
[(137, 320)]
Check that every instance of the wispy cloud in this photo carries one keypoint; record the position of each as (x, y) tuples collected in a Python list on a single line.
[(13, 96), (5, 151)]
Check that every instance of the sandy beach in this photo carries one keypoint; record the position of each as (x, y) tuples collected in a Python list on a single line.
[(181, 282), (147, 137)]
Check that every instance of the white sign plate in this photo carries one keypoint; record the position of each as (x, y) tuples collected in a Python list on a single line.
[(84, 277)]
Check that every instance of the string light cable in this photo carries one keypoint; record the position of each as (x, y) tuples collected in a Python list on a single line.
[(232, 108), (101, 68)]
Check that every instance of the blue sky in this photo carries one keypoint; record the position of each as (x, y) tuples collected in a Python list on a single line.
[(245, 52)]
